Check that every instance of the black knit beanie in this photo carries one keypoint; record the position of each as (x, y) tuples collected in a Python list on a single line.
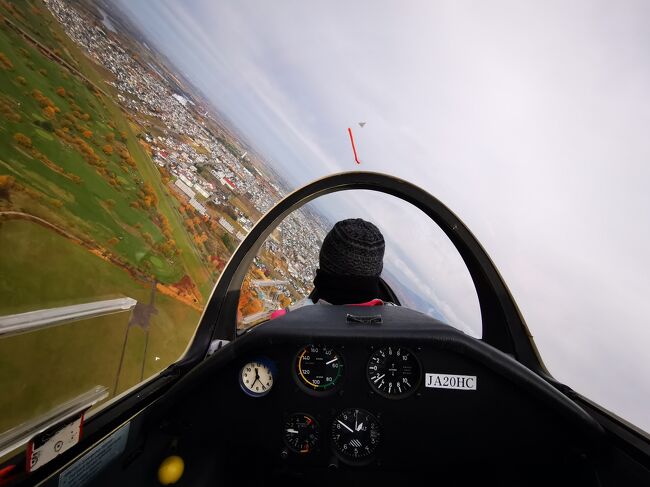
[(353, 247)]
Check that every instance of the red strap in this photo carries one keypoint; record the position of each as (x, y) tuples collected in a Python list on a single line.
[(277, 313), (373, 302)]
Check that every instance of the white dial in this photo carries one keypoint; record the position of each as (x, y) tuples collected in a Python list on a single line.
[(256, 379)]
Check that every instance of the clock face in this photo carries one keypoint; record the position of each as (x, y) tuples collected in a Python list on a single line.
[(256, 379), (355, 435)]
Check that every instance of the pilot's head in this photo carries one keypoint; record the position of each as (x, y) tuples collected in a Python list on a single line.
[(350, 261)]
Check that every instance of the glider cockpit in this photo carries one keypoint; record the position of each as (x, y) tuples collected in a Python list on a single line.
[(356, 395)]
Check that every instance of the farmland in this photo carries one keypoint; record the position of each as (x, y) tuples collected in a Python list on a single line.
[(84, 215)]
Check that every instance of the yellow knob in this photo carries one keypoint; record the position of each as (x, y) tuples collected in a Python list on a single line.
[(171, 470)]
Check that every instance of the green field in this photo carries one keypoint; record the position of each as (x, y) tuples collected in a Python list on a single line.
[(93, 207), (55, 128), (39, 370)]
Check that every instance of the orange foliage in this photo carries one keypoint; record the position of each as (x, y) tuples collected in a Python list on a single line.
[(60, 91), (186, 285), (200, 239), (5, 62), (49, 113), (108, 149), (6, 184), (22, 140), (249, 303), (42, 100), (87, 134)]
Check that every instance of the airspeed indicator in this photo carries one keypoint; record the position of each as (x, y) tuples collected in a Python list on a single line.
[(318, 368)]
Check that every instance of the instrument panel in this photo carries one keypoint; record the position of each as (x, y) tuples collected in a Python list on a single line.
[(325, 392), (353, 434)]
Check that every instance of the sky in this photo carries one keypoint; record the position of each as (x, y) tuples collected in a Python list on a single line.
[(528, 119)]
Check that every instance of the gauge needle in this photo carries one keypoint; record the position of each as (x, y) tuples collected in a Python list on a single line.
[(345, 426), (292, 431), (332, 361), (356, 414)]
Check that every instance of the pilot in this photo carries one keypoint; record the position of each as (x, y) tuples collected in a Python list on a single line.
[(350, 263)]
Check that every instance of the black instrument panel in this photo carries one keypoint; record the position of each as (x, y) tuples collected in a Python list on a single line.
[(465, 400)]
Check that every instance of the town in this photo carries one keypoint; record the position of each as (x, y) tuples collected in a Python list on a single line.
[(205, 170)]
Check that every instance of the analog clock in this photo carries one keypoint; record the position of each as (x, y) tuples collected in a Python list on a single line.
[(256, 378), (355, 435)]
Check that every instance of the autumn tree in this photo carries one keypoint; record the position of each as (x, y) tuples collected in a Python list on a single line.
[(6, 184), (108, 149), (60, 91), (22, 140), (87, 134), (5, 62), (43, 100), (21, 80), (49, 113), (200, 239)]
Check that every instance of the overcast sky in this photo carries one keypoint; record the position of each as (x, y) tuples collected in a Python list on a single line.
[(528, 119)]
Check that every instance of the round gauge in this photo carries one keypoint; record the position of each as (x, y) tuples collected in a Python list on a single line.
[(319, 368), (301, 433), (393, 372), (355, 435), (256, 378)]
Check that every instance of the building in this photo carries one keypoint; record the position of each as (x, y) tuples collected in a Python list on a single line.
[(185, 188), (201, 191), (226, 224), (199, 207)]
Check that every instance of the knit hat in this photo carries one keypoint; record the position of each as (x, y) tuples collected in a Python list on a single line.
[(353, 247)]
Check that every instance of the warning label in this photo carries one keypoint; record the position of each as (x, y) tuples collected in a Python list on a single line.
[(88, 466)]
